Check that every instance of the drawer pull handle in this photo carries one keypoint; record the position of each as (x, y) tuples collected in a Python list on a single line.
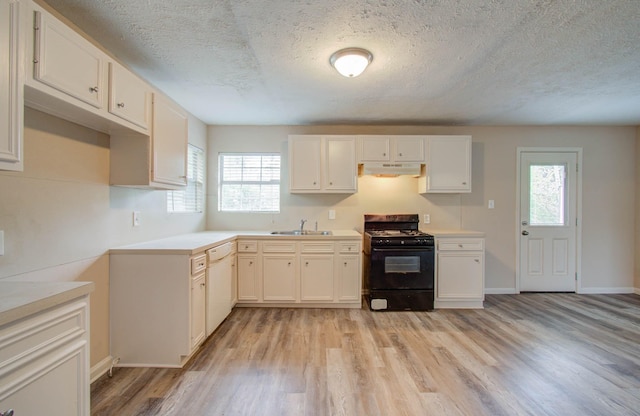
[(460, 245), (477, 261), (93, 89), (202, 284), (120, 105)]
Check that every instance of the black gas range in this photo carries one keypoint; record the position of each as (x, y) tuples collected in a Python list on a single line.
[(399, 263)]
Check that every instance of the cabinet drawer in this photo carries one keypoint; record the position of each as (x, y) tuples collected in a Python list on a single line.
[(18, 341), (279, 247), (461, 244), (316, 247), (247, 246), (349, 247), (198, 264)]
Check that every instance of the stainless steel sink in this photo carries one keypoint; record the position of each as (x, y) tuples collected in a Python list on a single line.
[(298, 232)]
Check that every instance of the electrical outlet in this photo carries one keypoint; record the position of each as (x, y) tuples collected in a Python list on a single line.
[(136, 218), (492, 204), (332, 214), (427, 219)]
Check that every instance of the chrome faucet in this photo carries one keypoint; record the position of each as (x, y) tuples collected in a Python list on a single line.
[(302, 225)]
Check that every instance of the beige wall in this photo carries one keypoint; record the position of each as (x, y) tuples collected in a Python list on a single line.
[(637, 227), (60, 216), (608, 195)]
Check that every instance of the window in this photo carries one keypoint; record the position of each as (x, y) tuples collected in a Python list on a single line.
[(249, 182), (192, 198), (548, 195)]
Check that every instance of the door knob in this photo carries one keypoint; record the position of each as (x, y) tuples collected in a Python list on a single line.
[(525, 232)]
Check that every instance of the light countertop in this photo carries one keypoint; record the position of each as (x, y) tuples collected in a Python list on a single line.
[(193, 243), (21, 299)]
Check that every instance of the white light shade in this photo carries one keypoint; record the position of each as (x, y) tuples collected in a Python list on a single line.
[(351, 62)]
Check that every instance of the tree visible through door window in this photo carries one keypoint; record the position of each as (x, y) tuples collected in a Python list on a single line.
[(547, 195), (249, 182)]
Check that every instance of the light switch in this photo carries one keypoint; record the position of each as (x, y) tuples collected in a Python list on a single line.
[(332, 214), (136, 218), (1, 243), (492, 204), (427, 219)]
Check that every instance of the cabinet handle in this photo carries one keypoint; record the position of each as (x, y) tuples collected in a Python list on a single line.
[(464, 183), (399, 154), (306, 263), (250, 263), (289, 264), (93, 89), (460, 245), (7, 413), (345, 263), (314, 183), (330, 183), (477, 261), (384, 154), (121, 105), (246, 247), (202, 284)]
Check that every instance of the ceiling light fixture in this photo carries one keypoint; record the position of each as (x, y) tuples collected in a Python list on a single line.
[(351, 62)]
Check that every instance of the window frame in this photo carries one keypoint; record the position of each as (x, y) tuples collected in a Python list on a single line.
[(222, 182)]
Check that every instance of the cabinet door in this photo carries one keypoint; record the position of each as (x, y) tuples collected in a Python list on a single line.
[(66, 61), (340, 164), (198, 301), (169, 143), (349, 282), (248, 288), (409, 149), (11, 78), (279, 278), (460, 275), (375, 149), (234, 280), (129, 96), (305, 163), (448, 164), (316, 278)]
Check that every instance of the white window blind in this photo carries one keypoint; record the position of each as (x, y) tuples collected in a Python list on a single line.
[(192, 198), (249, 182)]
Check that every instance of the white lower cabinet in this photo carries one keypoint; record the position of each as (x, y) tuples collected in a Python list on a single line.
[(460, 273), (44, 362), (198, 302), (248, 271), (305, 272), (157, 307), (316, 277), (279, 278)]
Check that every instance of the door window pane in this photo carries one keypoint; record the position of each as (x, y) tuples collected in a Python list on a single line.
[(547, 195)]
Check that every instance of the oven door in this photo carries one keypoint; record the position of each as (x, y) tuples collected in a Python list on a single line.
[(401, 268)]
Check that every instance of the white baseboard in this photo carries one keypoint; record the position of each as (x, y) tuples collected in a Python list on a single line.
[(637, 291), (101, 368), (606, 290), (499, 291)]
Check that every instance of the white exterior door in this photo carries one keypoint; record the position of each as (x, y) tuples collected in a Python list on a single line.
[(548, 221)]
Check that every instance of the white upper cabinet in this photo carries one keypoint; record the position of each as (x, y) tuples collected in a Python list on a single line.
[(169, 144), (158, 161), (392, 148), (448, 165), (11, 79), (70, 77), (129, 96), (340, 173), (66, 61), (322, 164), (305, 165)]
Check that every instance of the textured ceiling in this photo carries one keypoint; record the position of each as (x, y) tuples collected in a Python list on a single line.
[(445, 62)]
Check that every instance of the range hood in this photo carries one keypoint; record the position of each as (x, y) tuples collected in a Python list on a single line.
[(391, 169)]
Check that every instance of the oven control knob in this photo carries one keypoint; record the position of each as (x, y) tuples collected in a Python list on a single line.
[(401, 241)]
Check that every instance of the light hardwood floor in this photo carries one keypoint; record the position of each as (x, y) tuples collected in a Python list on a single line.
[(528, 354)]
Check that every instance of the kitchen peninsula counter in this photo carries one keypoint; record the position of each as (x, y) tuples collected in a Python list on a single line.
[(21, 299)]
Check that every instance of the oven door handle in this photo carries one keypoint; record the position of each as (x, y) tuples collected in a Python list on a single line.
[(402, 249)]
